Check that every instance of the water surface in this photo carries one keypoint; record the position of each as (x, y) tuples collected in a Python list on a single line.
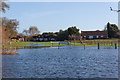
[(63, 62)]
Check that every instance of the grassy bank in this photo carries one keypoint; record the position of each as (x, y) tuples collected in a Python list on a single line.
[(21, 44), (90, 43), (7, 49), (102, 42)]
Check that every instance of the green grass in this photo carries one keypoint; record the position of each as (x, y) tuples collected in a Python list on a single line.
[(48, 44), (103, 42), (21, 44), (93, 45)]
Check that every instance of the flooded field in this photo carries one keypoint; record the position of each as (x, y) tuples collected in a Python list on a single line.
[(63, 63)]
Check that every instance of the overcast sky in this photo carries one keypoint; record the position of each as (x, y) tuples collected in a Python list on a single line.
[(53, 16)]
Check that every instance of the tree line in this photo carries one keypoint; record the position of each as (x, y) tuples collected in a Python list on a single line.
[(61, 35), (65, 34), (113, 30)]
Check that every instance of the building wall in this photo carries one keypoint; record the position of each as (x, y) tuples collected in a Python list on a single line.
[(44, 39), (95, 36)]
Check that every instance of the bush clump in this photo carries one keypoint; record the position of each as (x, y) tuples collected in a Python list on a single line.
[(9, 52)]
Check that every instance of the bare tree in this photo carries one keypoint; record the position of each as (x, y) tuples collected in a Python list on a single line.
[(4, 6), (9, 27), (33, 30), (26, 32)]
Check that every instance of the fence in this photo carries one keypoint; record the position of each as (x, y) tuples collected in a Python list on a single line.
[(102, 43)]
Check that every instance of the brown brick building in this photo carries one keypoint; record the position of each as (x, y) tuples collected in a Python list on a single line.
[(94, 34)]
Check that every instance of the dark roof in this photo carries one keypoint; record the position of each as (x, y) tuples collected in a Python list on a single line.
[(38, 36), (17, 37), (14, 38), (44, 36), (94, 33), (34, 36), (49, 35)]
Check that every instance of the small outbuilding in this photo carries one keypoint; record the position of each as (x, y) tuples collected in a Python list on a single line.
[(17, 39), (45, 37)]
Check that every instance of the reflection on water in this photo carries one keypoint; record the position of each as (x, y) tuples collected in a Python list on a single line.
[(35, 44), (63, 62)]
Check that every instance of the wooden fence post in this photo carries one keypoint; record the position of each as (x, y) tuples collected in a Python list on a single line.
[(98, 45), (115, 46), (84, 46), (52, 44), (74, 42), (58, 45), (70, 46)]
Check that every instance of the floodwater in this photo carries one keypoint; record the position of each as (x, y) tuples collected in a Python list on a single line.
[(62, 63)]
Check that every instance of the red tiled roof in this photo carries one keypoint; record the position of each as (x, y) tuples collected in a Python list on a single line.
[(94, 33)]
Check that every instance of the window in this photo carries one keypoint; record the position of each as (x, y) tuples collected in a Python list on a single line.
[(97, 36), (84, 36), (102, 36), (41, 39), (52, 38), (45, 39), (91, 37)]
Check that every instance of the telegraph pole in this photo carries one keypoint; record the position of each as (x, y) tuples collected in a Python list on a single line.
[(118, 40)]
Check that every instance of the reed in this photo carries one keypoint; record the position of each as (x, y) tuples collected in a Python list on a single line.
[(9, 52)]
